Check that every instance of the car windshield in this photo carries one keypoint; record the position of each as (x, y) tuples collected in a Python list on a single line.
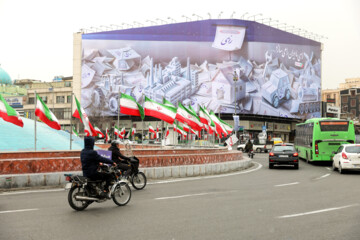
[(283, 149), (352, 149)]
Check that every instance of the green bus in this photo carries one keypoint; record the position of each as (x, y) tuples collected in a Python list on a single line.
[(317, 138)]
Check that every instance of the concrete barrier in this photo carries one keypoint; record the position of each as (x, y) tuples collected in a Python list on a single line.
[(58, 178)]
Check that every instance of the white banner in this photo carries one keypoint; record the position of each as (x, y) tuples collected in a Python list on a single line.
[(231, 140), (229, 38)]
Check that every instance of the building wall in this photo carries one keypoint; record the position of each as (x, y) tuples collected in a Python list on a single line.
[(331, 94)]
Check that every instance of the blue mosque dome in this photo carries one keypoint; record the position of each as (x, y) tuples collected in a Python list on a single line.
[(4, 77), (15, 138)]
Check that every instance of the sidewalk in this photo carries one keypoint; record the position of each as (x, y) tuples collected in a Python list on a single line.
[(58, 178)]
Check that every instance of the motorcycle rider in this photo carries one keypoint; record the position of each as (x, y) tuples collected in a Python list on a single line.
[(90, 160), (121, 160)]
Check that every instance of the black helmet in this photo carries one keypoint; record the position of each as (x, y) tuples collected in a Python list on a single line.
[(115, 142)]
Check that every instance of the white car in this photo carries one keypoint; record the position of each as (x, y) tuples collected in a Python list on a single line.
[(347, 157)]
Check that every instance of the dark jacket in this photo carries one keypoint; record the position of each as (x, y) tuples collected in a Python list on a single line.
[(116, 155), (90, 159)]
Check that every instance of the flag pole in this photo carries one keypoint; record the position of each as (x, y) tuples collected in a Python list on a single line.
[(35, 101), (71, 126), (118, 117)]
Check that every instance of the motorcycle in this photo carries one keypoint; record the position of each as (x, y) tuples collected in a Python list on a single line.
[(135, 177), (83, 191), (251, 153)]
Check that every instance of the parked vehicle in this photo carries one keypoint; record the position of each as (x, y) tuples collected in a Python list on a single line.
[(256, 147), (283, 154), (347, 157), (83, 191), (276, 140)]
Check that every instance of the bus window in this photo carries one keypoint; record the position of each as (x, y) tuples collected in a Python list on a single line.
[(334, 126)]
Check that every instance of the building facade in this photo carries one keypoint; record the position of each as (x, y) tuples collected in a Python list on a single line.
[(56, 95)]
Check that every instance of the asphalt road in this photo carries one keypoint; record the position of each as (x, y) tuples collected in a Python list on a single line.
[(310, 203)]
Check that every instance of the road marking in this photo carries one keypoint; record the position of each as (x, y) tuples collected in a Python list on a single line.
[(20, 210), (192, 195), (207, 177), (183, 196), (318, 211), (323, 176), (329, 169), (286, 184), (34, 191)]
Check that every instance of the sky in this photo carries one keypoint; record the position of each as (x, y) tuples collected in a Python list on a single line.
[(36, 38)]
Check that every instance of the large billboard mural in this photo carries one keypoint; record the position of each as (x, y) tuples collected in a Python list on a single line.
[(196, 63)]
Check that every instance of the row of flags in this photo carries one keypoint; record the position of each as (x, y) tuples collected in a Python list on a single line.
[(166, 111)]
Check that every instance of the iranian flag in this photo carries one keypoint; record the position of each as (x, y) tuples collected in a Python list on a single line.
[(185, 115), (204, 116), (180, 130), (9, 114), (106, 135), (220, 129), (81, 114), (227, 126), (45, 115), (194, 132), (116, 131), (129, 106), (99, 133), (160, 111), (75, 132), (168, 103), (151, 129), (175, 130), (123, 131), (186, 128), (167, 132), (133, 131)]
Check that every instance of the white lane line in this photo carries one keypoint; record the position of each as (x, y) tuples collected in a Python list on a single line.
[(329, 169), (184, 196), (286, 184), (318, 211), (192, 195), (323, 176), (20, 210), (207, 177), (34, 191)]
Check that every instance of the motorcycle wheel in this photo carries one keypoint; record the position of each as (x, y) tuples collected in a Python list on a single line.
[(76, 204), (122, 194), (138, 180)]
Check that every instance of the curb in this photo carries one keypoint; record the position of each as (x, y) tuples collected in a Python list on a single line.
[(58, 178)]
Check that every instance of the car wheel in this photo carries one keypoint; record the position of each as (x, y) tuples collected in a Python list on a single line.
[(341, 171), (241, 149), (258, 150), (296, 166), (271, 165), (333, 166)]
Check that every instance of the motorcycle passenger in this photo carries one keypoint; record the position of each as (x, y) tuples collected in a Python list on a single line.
[(248, 146), (90, 160), (121, 160)]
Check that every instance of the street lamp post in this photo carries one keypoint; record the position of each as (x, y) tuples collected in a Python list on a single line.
[(235, 78)]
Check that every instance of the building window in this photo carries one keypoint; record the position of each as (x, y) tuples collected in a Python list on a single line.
[(67, 84), (353, 93), (62, 113), (353, 103), (60, 99), (44, 98), (344, 99), (353, 112), (31, 100), (68, 99)]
